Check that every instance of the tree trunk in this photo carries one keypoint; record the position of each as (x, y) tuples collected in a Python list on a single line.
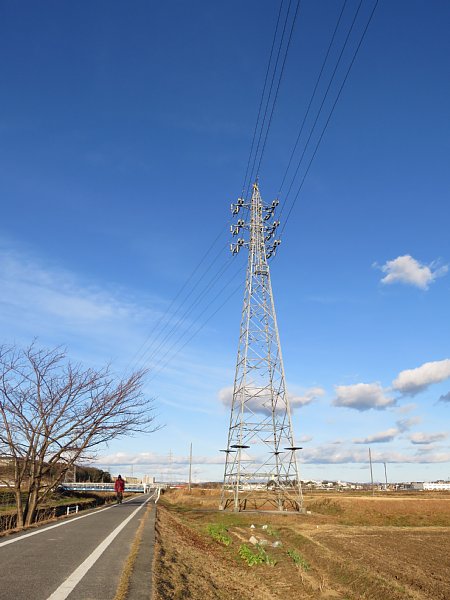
[(30, 508), (19, 507), (32, 501)]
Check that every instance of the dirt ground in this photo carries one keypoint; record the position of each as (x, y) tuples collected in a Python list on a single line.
[(348, 548)]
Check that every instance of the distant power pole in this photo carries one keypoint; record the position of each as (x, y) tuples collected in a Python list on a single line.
[(170, 466), (260, 458), (371, 472), (385, 475), (190, 468)]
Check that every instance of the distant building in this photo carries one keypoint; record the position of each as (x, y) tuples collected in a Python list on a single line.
[(437, 486), (132, 480), (148, 479)]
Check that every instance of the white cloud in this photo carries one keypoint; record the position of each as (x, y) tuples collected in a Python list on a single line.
[(406, 269), (334, 455), (390, 434), (326, 454), (427, 438), (303, 439), (154, 459), (362, 396), (261, 401), (226, 395), (30, 286), (413, 381), (406, 424), (97, 322), (308, 396), (403, 410), (378, 438)]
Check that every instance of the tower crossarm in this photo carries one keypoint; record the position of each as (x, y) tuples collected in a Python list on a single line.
[(261, 232)]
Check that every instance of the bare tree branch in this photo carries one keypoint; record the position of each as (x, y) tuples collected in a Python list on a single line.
[(54, 413)]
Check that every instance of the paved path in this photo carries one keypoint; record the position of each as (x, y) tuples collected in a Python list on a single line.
[(80, 558)]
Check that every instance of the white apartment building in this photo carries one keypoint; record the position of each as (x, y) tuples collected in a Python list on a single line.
[(436, 486)]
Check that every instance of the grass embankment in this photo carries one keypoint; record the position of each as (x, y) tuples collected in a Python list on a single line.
[(350, 547), (397, 509)]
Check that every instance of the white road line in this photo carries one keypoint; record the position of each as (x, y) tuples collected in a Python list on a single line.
[(74, 579), (67, 522)]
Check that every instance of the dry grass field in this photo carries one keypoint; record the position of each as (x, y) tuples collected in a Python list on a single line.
[(349, 548)]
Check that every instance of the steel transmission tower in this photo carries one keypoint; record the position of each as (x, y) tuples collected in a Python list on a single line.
[(260, 468)]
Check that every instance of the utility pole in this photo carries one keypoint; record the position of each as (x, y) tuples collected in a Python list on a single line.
[(190, 468), (170, 467), (385, 475), (261, 469), (371, 472)]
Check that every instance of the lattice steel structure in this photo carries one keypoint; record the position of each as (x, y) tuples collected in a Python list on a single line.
[(261, 469)]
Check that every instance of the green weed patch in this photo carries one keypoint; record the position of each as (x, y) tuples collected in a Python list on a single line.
[(219, 534), (298, 560), (257, 557)]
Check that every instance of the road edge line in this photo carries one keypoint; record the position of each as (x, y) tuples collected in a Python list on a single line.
[(76, 576), (123, 587), (66, 521)]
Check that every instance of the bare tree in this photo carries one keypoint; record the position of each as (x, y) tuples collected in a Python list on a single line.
[(53, 413)]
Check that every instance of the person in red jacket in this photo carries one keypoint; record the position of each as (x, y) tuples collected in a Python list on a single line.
[(119, 488)]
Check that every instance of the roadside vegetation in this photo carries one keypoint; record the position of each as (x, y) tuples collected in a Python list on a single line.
[(54, 507)]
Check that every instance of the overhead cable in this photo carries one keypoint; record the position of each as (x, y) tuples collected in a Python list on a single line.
[(262, 97), (253, 173), (322, 103), (179, 323), (155, 327), (197, 331), (312, 97), (278, 88), (330, 115)]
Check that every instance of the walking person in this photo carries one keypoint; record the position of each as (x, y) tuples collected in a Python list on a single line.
[(119, 488)]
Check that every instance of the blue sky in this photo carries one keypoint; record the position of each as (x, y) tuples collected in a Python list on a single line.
[(125, 133)]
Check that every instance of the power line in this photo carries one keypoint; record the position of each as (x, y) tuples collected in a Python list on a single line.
[(262, 96), (141, 352), (171, 326), (263, 137), (193, 323), (330, 115), (252, 172), (133, 361), (202, 326), (292, 204), (278, 87), (322, 103), (312, 96), (179, 323)]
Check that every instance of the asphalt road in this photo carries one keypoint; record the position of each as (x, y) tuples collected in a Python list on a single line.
[(80, 558)]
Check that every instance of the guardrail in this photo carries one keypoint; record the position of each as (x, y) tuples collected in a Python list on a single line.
[(138, 488)]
